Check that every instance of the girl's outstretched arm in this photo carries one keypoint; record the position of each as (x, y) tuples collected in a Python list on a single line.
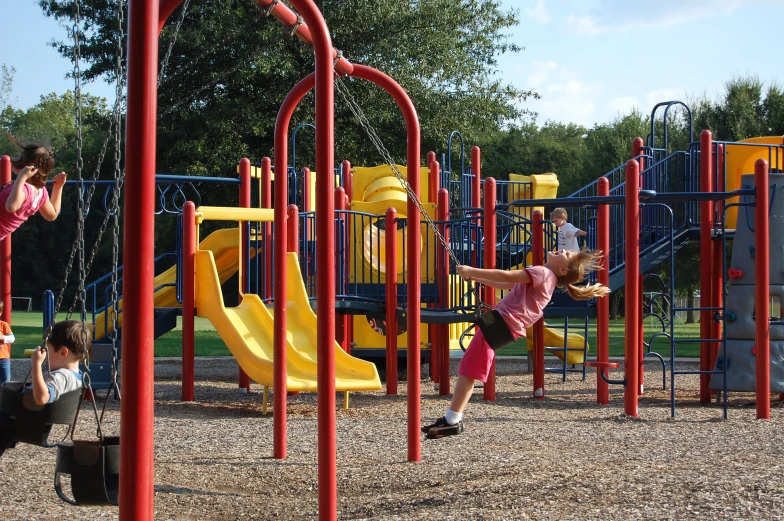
[(500, 279), (51, 209)]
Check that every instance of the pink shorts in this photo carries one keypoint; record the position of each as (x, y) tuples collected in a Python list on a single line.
[(478, 358)]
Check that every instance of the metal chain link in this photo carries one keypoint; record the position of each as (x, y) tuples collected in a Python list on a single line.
[(118, 180), (80, 182), (363, 121)]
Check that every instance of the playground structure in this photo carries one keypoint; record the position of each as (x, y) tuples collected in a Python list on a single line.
[(673, 201)]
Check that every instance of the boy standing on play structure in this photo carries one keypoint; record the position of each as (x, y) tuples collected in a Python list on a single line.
[(68, 345), (567, 232), (532, 288), (6, 339)]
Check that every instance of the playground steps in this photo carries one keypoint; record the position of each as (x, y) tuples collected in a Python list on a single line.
[(653, 255)]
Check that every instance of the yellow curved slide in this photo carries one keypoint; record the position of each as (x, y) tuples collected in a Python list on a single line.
[(223, 244), (248, 329), (553, 338)]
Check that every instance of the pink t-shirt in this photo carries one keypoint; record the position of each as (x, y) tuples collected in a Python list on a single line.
[(32, 203), (525, 304)]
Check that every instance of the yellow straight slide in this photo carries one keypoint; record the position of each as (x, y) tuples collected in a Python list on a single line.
[(554, 338), (301, 324), (248, 329), (223, 244)]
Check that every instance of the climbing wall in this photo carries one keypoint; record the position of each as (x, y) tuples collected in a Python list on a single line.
[(740, 357)]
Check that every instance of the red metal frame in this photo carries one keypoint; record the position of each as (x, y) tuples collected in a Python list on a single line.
[(281, 198), (489, 224), (136, 431), (603, 304), (188, 301), (244, 379), (414, 269), (537, 259), (266, 202), (637, 155), (707, 283), (632, 282), (762, 282), (5, 249), (390, 239), (443, 290)]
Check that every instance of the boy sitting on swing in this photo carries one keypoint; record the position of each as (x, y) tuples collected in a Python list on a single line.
[(67, 346)]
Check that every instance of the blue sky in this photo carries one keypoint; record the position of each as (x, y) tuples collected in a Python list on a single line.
[(590, 60)]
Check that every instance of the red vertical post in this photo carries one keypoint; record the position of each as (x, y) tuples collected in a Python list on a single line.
[(537, 259), (244, 380), (762, 282), (490, 261), (136, 453), (413, 246), (476, 184), (476, 170), (434, 179), (188, 301), (292, 220), (632, 282), (390, 236), (443, 292), (325, 253), (341, 323), (292, 237), (348, 179), (718, 258), (706, 258), (637, 150), (433, 329), (603, 304), (5, 249), (306, 207), (266, 202)]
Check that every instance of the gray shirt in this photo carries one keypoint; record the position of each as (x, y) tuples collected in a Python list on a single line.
[(62, 381)]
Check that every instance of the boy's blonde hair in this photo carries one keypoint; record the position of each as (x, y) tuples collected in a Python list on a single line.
[(580, 265), (559, 213)]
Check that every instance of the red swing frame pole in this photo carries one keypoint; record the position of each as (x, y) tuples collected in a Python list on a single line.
[(136, 431), (5, 249)]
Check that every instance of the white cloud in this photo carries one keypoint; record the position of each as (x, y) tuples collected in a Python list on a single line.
[(660, 95), (566, 97), (539, 13), (616, 15)]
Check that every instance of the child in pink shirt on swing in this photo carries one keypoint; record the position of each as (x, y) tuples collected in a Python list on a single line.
[(532, 289), (27, 195)]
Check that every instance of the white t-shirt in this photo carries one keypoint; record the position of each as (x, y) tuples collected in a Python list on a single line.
[(567, 237)]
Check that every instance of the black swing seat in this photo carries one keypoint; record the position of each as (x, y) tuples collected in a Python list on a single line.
[(33, 422), (94, 467)]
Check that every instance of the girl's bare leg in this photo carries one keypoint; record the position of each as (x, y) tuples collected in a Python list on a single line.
[(464, 387)]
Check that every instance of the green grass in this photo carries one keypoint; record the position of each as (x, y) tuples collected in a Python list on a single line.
[(617, 344), (27, 327)]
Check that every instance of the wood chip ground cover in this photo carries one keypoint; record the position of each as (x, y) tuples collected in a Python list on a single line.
[(563, 457)]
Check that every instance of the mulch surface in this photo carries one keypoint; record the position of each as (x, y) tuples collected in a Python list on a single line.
[(562, 457)]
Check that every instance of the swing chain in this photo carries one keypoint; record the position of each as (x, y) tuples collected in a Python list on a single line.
[(118, 180), (363, 121)]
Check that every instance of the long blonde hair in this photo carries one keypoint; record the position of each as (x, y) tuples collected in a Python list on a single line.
[(580, 265)]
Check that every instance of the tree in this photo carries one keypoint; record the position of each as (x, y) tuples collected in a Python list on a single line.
[(41, 248), (230, 69), (6, 84)]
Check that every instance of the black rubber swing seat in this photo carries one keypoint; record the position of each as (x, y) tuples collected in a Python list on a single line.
[(33, 422), (94, 467)]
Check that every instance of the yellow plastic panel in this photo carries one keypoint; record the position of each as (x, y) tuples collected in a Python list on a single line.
[(223, 244), (740, 160)]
